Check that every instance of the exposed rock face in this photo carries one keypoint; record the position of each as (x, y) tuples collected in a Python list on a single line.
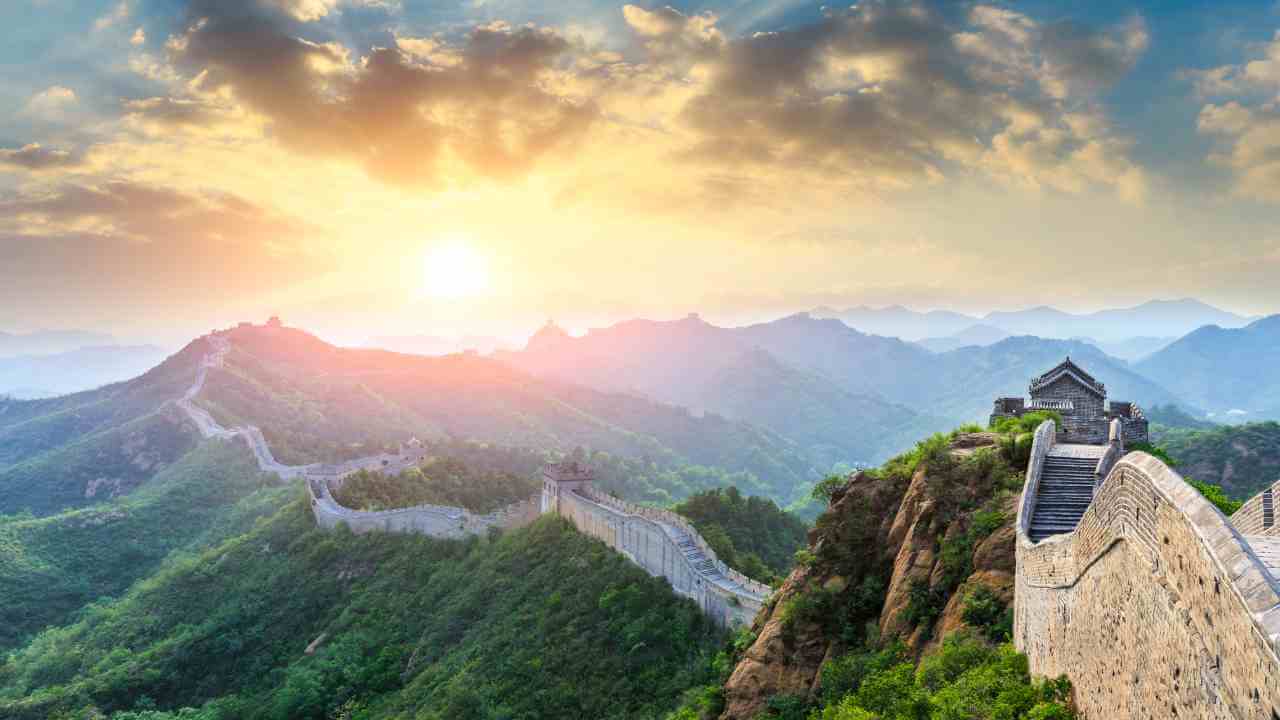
[(884, 528)]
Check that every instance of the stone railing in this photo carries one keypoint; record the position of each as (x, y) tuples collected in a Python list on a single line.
[(1114, 451), (1257, 515), (670, 518), (1156, 587), (1050, 404), (1045, 438)]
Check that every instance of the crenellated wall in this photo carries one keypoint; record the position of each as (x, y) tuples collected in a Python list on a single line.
[(434, 520), (1257, 516), (664, 545), (661, 542), (1155, 607)]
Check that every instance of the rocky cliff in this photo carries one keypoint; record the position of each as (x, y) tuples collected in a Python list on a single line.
[(901, 553)]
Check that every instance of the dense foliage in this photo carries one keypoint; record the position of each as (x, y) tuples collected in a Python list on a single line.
[(1213, 493), (750, 534), (51, 567), (440, 481), (964, 679), (287, 621), (1243, 459)]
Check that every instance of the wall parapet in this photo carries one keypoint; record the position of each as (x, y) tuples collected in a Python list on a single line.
[(1046, 436), (671, 518), (1154, 585), (1257, 515), (644, 536)]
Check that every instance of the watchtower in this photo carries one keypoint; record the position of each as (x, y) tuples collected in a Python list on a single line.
[(561, 478)]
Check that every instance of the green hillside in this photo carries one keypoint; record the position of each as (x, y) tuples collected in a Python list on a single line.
[(286, 621), (750, 534), (1243, 459), (51, 567), (317, 402), (85, 448)]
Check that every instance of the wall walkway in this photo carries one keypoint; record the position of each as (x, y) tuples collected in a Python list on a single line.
[(1154, 607)]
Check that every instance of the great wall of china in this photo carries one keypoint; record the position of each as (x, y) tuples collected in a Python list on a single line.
[(1128, 581), (661, 542), (1154, 604)]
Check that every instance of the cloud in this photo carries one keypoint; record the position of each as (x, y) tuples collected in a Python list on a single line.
[(133, 244), (52, 103), (1246, 127), (139, 37), (147, 213), (408, 120), (118, 14), (892, 95), (1078, 59), (37, 157), (1257, 76)]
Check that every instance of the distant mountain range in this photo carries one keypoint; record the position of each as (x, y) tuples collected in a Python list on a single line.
[(814, 380), (47, 342), (1232, 373), (32, 376), (1157, 318)]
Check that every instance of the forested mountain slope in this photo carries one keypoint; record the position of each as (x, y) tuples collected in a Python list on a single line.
[(51, 567), (1224, 370), (1243, 459), (317, 402), (732, 371), (79, 449), (287, 621)]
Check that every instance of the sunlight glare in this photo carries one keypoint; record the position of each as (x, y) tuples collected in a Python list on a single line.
[(455, 270)]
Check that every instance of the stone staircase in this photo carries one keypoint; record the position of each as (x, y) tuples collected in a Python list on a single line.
[(1066, 489), (696, 557)]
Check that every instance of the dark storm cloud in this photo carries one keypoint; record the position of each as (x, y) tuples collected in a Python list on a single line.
[(38, 157), (397, 114)]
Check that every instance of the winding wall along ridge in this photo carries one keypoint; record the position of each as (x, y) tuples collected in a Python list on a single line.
[(1155, 606), (659, 541)]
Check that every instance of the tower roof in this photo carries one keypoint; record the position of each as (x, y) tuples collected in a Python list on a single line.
[(1069, 369)]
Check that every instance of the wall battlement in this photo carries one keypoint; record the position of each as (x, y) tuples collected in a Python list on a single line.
[(660, 542), (1155, 606)]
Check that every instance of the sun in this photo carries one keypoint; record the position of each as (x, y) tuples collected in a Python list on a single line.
[(455, 270)]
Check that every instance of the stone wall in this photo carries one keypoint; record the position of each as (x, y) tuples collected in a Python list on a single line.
[(644, 536), (1045, 437), (434, 520), (1155, 607), (661, 542), (1250, 519)]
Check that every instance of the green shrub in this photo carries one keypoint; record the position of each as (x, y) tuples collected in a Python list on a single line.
[(1157, 451), (1027, 423), (1216, 495), (986, 612)]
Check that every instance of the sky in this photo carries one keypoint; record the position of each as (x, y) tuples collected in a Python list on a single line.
[(374, 167)]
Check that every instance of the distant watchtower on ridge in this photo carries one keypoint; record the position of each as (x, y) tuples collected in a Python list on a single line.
[(560, 478), (1081, 401)]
